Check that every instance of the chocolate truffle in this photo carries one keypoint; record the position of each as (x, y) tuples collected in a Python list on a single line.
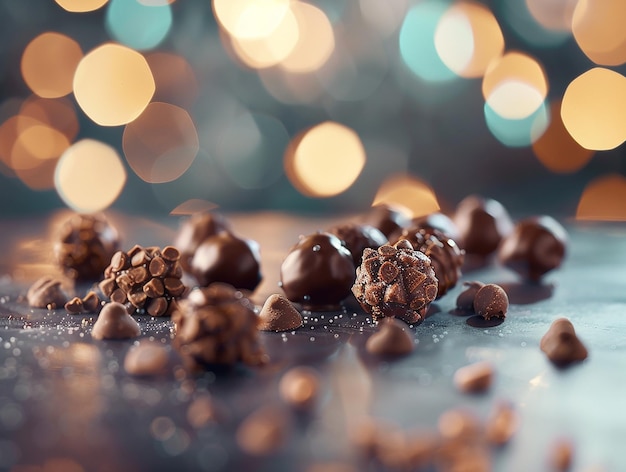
[(391, 339), (357, 237), (482, 224), (561, 344), (147, 359), (465, 300), (278, 314), (445, 256), (114, 322), (491, 301), (474, 378), (217, 325), (395, 280), (46, 292), (144, 279), (318, 272), (535, 247), (195, 230), (229, 259), (437, 221), (85, 246), (388, 219), (299, 387)]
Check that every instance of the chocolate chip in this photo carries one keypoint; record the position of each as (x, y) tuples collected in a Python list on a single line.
[(118, 295), (91, 301), (147, 359), (75, 305), (391, 339), (154, 288), (299, 387), (465, 300), (174, 286), (263, 432), (474, 378), (278, 314), (170, 254), (119, 261), (561, 344), (156, 306), (137, 298), (114, 322), (491, 301), (139, 274), (46, 292), (502, 424), (157, 267), (140, 258), (107, 286)]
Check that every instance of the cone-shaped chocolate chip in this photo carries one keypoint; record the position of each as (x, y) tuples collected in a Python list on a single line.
[(278, 314), (114, 322), (561, 344), (465, 300), (391, 339), (491, 301)]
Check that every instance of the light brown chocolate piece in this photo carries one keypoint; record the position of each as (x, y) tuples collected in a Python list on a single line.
[(114, 322), (561, 344), (299, 387), (561, 455), (88, 304), (278, 314), (491, 301), (203, 410), (147, 359), (391, 339), (465, 300), (263, 432), (474, 378), (459, 425), (502, 424), (46, 292)]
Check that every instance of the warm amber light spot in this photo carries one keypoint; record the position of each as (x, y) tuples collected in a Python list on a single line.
[(594, 109), (603, 199), (48, 64), (468, 38), (113, 84), (325, 160), (81, 6), (409, 192), (161, 144), (598, 28), (316, 40), (555, 15), (40, 177), (35, 143), (175, 80), (515, 85), (556, 149), (58, 113), (250, 19), (193, 205), (89, 176)]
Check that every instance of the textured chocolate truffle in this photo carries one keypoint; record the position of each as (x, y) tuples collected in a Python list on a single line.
[(114, 322), (482, 224), (46, 292), (391, 339), (491, 301), (445, 256), (278, 314), (195, 230), (465, 300), (561, 344), (395, 281), (357, 237), (318, 271), (217, 325), (85, 246), (387, 218), (536, 246), (229, 259)]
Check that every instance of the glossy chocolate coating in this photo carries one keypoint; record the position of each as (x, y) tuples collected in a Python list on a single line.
[(388, 219), (437, 221), (561, 344), (318, 271), (465, 300), (227, 258), (491, 301), (195, 230), (536, 246), (482, 224), (357, 237)]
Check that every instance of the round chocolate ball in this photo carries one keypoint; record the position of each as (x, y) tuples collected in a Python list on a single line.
[(229, 259), (357, 237), (536, 246), (318, 272), (437, 221), (195, 230), (482, 224), (387, 218), (491, 301)]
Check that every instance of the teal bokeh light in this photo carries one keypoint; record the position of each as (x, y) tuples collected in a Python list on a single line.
[(417, 41), (137, 25), (518, 133)]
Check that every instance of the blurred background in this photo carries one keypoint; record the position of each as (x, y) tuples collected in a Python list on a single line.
[(174, 106)]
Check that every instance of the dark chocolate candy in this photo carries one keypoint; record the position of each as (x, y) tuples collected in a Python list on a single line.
[(482, 224), (114, 322), (229, 259), (536, 246), (465, 300), (318, 271), (395, 280), (561, 344), (437, 221), (357, 237), (278, 314), (387, 218), (195, 230), (392, 339), (491, 301), (46, 292)]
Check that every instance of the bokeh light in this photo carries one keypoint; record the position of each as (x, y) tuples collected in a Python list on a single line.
[(517, 14), (40, 177), (468, 38), (325, 160), (417, 43), (113, 84), (36, 142), (515, 86), (412, 193), (89, 176), (556, 149), (250, 19), (555, 15), (174, 78), (48, 64), (598, 28), (137, 25), (517, 132), (81, 6), (384, 17), (161, 143), (58, 113), (603, 199), (193, 205), (594, 109)]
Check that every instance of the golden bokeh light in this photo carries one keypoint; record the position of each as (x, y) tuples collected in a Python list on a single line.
[(40, 177), (81, 6), (604, 199), (556, 149), (555, 15), (408, 192), (594, 109), (316, 40), (325, 160), (515, 85), (58, 113), (250, 19), (161, 144), (468, 38), (113, 84), (192, 206), (89, 176), (174, 78), (48, 64), (598, 27), (36, 142)]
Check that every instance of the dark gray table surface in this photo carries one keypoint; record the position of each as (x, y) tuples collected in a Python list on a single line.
[(66, 402)]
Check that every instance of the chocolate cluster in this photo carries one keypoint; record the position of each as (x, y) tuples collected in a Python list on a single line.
[(144, 279), (395, 280), (217, 325), (85, 246)]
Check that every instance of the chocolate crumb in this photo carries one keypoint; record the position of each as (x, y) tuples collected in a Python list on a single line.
[(263, 432), (114, 322), (561, 344), (46, 292), (502, 424), (465, 300), (474, 378), (491, 301), (391, 339), (278, 314), (147, 359), (299, 387)]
